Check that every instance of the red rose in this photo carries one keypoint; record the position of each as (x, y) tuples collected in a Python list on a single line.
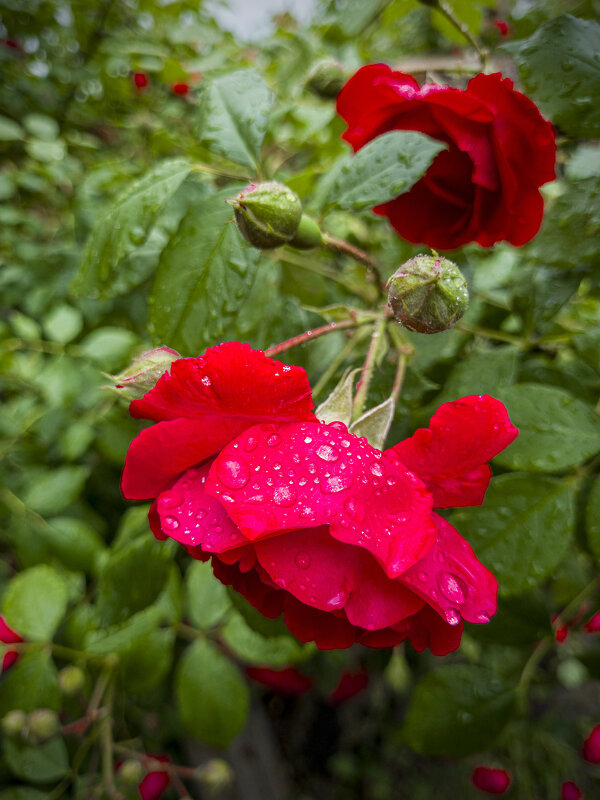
[(484, 187), (349, 685), (308, 520), (570, 791), (286, 681), (591, 746), (490, 780), (8, 636), (180, 89)]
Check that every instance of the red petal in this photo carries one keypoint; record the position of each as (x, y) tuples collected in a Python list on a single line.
[(452, 580), (310, 625), (191, 516), (450, 454), (230, 380), (310, 474), (491, 780), (428, 629), (159, 454), (7, 634), (10, 657), (287, 681), (269, 601)]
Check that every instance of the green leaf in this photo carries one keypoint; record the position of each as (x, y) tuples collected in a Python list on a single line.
[(250, 646), (520, 620), (73, 541), (10, 131), (592, 518), (23, 793), (234, 116), (124, 227), (556, 430), (35, 602), (584, 163), (384, 168), (63, 323), (46, 151), (118, 638), (457, 710), (208, 601), (338, 406), (54, 490), (203, 279), (559, 68), (39, 763), (41, 126), (212, 696), (523, 529), (146, 660), (30, 683), (109, 347), (375, 423)]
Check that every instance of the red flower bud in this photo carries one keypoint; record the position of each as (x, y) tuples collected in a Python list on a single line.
[(591, 746), (593, 624), (491, 780), (180, 89), (570, 791), (140, 80), (502, 27)]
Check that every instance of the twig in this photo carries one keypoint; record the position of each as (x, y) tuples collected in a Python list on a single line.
[(308, 336), (339, 359), (446, 11), (368, 367), (357, 254)]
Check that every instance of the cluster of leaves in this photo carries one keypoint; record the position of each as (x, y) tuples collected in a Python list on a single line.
[(116, 237)]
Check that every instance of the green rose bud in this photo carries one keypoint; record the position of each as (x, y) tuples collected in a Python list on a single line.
[(215, 775), (326, 78), (308, 235), (143, 373), (13, 724), (428, 294), (267, 214), (42, 725), (71, 680), (131, 772)]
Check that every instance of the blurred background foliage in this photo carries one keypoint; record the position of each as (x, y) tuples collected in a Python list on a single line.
[(161, 644)]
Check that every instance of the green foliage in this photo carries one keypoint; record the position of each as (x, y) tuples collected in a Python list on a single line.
[(35, 602), (39, 764)]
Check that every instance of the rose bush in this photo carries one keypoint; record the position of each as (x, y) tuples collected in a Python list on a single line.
[(485, 186), (308, 520)]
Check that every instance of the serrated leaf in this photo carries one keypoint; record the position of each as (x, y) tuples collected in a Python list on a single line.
[(457, 710), (30, 683), (235, 114), (556, 430), (203, 279), (338, 406), (559, 68), (40, 763), (208, 600), (35, 602), (375, 423), (124, 227), (523, 529), (212, 696), (384, 168)]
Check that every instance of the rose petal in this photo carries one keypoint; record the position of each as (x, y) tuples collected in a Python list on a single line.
[(311, 625), (309, 474), (452, 580), (450, 454), (428, 629), (230, 380)]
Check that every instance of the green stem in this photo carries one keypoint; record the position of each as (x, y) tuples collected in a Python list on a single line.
[(368, 367), (447, 12), (308, 336), (399, 376), (357, 254), (188, 632), (106, 740), (223, 173), (337, 361), (476, 330)]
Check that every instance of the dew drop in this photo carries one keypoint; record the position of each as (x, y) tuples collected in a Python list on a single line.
[(327, 452), (452, 616), (273, 440), (452, 587), (376, 469), (302, 560), (251, 444), (200, 514), (336, 483), (337, 601), (170, 524), (233, 473), (284, 496), (354, 509)]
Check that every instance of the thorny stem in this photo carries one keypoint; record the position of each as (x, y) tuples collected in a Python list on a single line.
[(308, 336), (460, 26), (357, 254), (368, 367), (339, 359)]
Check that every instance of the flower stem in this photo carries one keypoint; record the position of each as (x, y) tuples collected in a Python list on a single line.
[(368, 367), (446, 11), (357, 254), (399, 376), (308, 336), (339, 359)]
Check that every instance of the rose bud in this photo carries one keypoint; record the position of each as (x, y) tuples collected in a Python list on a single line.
[(428, 294), (13, 724), (308, 235), (143, 373), (490, 780), (42, 724), (326, 78), (71, 680), (267, 214), (591, 746), (570, 791)]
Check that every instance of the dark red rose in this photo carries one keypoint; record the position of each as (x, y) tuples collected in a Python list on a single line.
[(140, 80), (286, 681), (349, 685), (570, 791), (8, 636), (591, 746), (491, 780), (180, 89), (485, 187), (309, 520)]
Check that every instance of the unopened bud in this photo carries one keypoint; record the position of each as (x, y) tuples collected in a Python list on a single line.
[(71, 680), (428, 294), (267, 214), (326, 78), (216, 774), (42, 725), (143, 373), (13, 723), (131, 772), (308, 235)]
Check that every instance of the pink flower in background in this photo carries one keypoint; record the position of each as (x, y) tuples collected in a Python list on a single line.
[(491, 780)]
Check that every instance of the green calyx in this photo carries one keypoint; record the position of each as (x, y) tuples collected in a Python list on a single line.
[(428, 294), (308, 236), (267, 214), (326, 78)]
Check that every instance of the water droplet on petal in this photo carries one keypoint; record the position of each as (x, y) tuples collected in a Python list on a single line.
[(327, 452), (200, 514), (452, 587), (336, 483), (284, 496), (251, 444), (170, 524), (376, 469), (233, 473), (302, 560), (452, 616), (273, 440), (337, 601)]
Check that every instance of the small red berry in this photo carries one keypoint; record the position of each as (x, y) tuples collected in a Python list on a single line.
[(502, 27), (140, 80), (491, 780), (180, 88)]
